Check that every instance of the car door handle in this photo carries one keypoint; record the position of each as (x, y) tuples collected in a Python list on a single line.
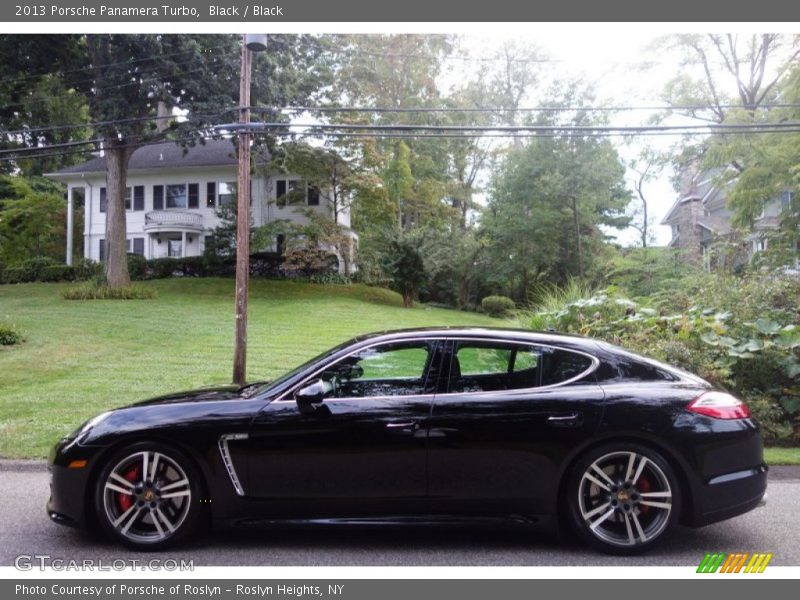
[(410, 425), (565, 419)]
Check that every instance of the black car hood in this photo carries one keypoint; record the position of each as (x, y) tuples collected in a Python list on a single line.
[(215, 394)]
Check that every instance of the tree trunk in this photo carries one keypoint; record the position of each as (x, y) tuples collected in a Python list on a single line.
[(579, 242), (408, 297), (116, 179)]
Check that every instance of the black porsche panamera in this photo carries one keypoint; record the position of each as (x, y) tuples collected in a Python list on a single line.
[(421, 426)]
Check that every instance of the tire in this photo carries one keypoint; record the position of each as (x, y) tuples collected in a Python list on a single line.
[(148, 496), (623, 498)]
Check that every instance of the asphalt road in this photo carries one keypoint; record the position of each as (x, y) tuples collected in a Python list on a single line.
[(25, 529)]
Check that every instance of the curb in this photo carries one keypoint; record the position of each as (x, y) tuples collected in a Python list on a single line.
[(23, 466)]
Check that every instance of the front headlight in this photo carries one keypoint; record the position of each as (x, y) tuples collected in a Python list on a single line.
[(84, 429)]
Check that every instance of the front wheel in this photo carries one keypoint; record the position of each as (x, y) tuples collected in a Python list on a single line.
[(623, 498), (148, 496)]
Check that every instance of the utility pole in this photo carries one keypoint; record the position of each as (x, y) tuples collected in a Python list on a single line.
[(254, 43)]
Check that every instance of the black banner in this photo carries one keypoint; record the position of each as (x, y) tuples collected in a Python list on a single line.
[(272, 11), (370, 589)]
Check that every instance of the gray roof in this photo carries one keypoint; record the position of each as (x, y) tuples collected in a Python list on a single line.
[(166, 155)]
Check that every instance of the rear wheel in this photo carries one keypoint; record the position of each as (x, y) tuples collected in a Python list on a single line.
[(623, 498), (148, 496)]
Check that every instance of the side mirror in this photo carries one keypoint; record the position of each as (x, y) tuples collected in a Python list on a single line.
[(309, 396)]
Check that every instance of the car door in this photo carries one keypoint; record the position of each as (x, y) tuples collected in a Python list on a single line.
[(363, 448), (511, 412)]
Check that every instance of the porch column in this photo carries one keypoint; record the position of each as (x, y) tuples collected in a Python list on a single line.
[(183, 244), (70, 192)]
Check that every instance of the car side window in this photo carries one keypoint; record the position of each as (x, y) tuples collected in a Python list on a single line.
[(388, 370), (490, 366), (478, 366)]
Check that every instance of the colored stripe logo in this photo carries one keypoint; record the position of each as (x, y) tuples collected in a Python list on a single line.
[(738, 562)]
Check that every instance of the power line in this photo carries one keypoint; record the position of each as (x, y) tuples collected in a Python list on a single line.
[(368, 109), (108, 65), (187, 117), (706, 128)]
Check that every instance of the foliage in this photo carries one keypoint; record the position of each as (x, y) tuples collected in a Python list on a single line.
[(55, 273), (137, 266), (497, 306), (763, 69), (644, 271), (10, 335), (740, 332), (403, 265), (32, 219), (90, 290), (548, 202)]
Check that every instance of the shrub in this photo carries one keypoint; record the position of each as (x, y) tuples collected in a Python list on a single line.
[(9, 335), (33, 267), (92, 291), (330, 279), (88, 269), (497, 306), (13, 275), (57, 273), (159, 268), (137, 266)]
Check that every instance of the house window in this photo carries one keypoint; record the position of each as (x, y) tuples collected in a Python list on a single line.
[(207, 241), (104, 199), (101, 251), (211, 194), (138, 197), (294, 191), (786, 198), (176, 196), (127, 246), (194, 195), (759, 244), (158, 197), (174, 248), (138, 246), (227, 194)]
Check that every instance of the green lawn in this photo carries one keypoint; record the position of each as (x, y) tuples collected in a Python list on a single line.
[(82, 357), (782, 456)]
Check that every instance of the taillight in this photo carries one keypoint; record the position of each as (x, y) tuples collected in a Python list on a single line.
[(719, 405)]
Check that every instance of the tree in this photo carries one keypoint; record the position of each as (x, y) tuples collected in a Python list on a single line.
[(549, 202), (646, 167), (32, 219), (763, 70), (403, 264)]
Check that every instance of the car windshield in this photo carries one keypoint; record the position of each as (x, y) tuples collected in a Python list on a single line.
[(262, 387)]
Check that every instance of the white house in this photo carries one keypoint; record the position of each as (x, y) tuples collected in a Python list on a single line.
[(173, 197)]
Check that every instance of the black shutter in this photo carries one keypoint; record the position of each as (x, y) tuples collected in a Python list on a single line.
[(280, 188), (313, 195), (103, 200), (211, 194), (194, 195), (138, 246), (102, 250), (138, 197), (158, 197)]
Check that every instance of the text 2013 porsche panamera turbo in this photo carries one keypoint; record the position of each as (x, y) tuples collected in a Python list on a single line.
[(421, 426)]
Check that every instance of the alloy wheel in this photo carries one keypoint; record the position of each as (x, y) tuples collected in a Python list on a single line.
[(625, 499), (146, 497)]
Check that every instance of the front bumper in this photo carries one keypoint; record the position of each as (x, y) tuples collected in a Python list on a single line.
[(68, 486)]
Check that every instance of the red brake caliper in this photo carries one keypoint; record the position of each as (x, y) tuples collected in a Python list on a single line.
[(124, 501), (644, 486)]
